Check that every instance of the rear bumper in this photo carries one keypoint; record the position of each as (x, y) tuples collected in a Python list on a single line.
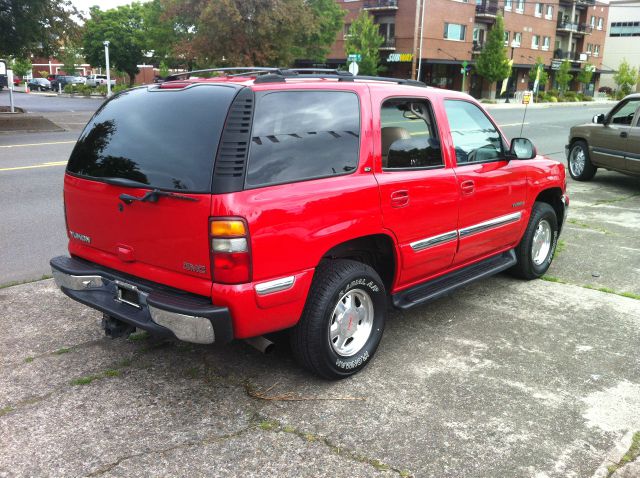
[(159, 309)]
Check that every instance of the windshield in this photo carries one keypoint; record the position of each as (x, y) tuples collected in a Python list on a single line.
[(166, 139)]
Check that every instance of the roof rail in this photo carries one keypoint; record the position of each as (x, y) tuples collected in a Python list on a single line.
[(243, 69), (279, 77)]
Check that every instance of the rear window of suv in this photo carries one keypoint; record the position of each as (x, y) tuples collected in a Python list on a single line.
[(166, 139), (300, 135)]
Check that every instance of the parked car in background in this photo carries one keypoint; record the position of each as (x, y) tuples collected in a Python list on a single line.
[(97, 80), (611, 141), (207, 209), (39, 84), (64, 80)]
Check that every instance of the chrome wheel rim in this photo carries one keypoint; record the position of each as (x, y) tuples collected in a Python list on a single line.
[(541, 242), (577, 160), (351, 322)]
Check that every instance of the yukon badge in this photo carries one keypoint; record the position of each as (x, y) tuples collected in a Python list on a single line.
[(200, 269), (80, 237)]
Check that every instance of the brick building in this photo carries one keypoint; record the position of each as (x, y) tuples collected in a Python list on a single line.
[(454, 31)]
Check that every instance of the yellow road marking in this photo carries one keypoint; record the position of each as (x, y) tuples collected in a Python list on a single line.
[(42, 165), (35, 144)]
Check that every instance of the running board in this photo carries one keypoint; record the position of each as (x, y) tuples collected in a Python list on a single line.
[(436, 288)]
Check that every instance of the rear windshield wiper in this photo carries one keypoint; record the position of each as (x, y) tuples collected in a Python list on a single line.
[(152, 196)]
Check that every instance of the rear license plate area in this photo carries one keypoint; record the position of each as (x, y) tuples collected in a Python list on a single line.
[(127, 294)]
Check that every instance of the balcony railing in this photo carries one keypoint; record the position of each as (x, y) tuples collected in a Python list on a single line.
[(560, 54), (487, 9), (477, 47), (380, 5), (574, 27), (388, 44)]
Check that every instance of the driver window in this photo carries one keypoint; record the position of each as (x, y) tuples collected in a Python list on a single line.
[(624, 114), (408, 134), (475, 138)]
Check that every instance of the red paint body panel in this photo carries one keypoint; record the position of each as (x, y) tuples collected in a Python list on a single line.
[(292, 226)]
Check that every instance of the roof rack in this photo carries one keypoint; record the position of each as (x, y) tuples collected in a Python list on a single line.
[(266, 74)]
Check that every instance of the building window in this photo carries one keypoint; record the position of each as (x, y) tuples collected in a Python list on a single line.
[(508, 4), (596, 50), (624, 29), (454, 31), (600, 22), (546, 43), (345, 33), (387, 30), (589, 48), (520, 6), (538, 11), (517, 39), (535, 42), (506, 38), (549, 14), (592, 22)]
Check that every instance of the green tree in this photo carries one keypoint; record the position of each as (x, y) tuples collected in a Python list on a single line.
[(163, 71), (124, 28), (36, 26), (626, 77), (69, 57), (544, 76), (160, 32), (493, 64), (365, 39), (241, 32), (585, 75), (563, 77), (328, 18), (21, 66)]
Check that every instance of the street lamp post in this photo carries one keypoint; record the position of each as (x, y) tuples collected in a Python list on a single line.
[(106, 57), (514, 45)]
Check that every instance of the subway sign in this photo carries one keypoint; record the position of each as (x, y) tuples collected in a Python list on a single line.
[(399, 57)]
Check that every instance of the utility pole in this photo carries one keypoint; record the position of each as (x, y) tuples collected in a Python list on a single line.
[(415, 41), (421, 39), (106, 57)]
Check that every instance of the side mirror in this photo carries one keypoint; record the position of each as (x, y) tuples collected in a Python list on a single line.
[(522, 148), (599, 119)]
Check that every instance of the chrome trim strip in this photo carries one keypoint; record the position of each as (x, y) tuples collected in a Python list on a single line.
[(433, 241), (76, 282), (276, 285), (490, 224)]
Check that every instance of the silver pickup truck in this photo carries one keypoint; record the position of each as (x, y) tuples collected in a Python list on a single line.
[(95, 80)]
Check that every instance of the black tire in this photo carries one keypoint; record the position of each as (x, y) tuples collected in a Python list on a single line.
[(335, 281), (577, 172), (527, 267)]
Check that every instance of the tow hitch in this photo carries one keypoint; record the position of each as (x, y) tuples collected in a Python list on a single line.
[(115, 328)]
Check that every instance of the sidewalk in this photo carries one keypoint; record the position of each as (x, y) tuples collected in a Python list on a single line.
[(511, 105)]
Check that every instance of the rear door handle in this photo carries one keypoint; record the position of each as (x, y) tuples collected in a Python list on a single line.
[(624, 134), (467, 186), (399, 198)]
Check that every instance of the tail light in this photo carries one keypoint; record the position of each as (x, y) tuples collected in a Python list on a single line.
[(230, 250)]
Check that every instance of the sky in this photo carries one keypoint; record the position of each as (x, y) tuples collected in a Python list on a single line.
[(83, 5)]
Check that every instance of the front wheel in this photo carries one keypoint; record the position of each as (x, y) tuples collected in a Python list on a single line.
[(343, 319), (536, 249), (580, 166)]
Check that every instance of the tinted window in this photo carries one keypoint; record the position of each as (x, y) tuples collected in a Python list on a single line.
[(301, 135), (408, 134), (624, 113), (164, 138), (474, 136)]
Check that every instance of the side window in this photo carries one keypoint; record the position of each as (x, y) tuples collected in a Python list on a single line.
[(624, 113), (300, 135), (474, 137), (409, 135)]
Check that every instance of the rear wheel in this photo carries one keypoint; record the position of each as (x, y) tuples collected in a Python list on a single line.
[(343, 319), (580, 166), (536, 249)]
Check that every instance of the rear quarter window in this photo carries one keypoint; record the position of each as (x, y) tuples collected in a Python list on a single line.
[(300, 135), (165, 139)]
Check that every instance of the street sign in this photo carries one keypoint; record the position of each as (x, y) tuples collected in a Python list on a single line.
[(464, 64), (354, 57), (526, 98), (555, 64), (353, 68)]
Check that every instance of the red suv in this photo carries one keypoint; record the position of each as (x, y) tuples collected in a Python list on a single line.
[(210, 209)]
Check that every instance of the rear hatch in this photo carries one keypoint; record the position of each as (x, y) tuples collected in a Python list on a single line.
[(145, 140)]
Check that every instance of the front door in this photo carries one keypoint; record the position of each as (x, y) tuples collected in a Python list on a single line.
[(493, 190), (633, 146), (609, 142), (418, 192)]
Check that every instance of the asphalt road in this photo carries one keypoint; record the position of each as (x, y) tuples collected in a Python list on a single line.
[(32, 165)]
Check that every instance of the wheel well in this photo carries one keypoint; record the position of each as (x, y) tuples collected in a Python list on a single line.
[(573, 140), (376, 251), (553, 197)]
